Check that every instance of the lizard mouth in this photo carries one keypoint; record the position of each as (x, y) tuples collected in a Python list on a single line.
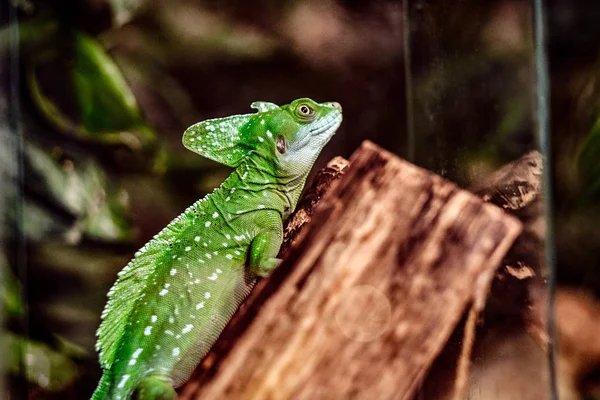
[(327, 125)]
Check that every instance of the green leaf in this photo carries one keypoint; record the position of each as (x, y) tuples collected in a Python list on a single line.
[(105, 100), (106, 108), (10, 291)]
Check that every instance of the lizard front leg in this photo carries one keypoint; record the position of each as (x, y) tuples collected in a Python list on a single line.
[(265, 245)]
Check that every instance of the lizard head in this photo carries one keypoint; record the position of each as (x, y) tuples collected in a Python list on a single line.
[(297, 133), (285, 140)]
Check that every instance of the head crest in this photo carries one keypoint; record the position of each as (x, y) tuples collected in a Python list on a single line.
[(220, 139), (263, 106)]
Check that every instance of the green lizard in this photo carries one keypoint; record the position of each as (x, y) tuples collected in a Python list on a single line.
[(171, 302)]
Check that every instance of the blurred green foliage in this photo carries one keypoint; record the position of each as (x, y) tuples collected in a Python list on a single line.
[(589, 161), (80, 189), (47, 368)]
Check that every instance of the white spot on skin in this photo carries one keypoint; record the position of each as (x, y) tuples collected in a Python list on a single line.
[(157, 347), (260, 206), (137, 353), (269, 134), (207, 295), (199, 305), (213, 277), (219, 271), (171, 320), (197, 238), (215, 215), (124, 379), (208, 256), (148, 330), (188, 248), (225, 244), (163, 292), (262, 121), (187, 328), (228, 256), (227, 236), (227, 198), (132, 361), (173, 272), (261, 139), (153, 318), (175, 352), (239, 238), (207, 224), (169, 332)]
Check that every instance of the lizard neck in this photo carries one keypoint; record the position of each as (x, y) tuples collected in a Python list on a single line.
[(293, 190), (252, 187), (258, 183)]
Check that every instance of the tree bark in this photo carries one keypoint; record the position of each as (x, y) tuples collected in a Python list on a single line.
[(369, 294)]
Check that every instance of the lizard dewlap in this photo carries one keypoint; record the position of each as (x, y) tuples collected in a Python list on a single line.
[(171, 302)]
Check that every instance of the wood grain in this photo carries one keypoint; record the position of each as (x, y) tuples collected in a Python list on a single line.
[(369, 295)]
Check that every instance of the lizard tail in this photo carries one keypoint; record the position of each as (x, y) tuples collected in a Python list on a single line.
[(154, 388)]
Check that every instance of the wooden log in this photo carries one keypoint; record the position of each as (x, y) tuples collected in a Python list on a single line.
[(365, 301)]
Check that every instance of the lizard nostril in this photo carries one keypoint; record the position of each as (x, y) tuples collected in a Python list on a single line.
[(337, 105)]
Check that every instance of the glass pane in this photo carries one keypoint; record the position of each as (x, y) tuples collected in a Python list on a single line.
[(472, 88)]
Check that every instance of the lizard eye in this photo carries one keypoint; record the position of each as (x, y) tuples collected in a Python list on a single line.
[(305, 110), (281, 144)]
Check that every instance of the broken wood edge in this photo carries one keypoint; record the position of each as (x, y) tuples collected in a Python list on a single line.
[(517, 188), (293, 228), (464, 360)]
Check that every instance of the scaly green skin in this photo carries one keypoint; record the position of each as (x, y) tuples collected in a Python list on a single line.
[(171, 302)]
